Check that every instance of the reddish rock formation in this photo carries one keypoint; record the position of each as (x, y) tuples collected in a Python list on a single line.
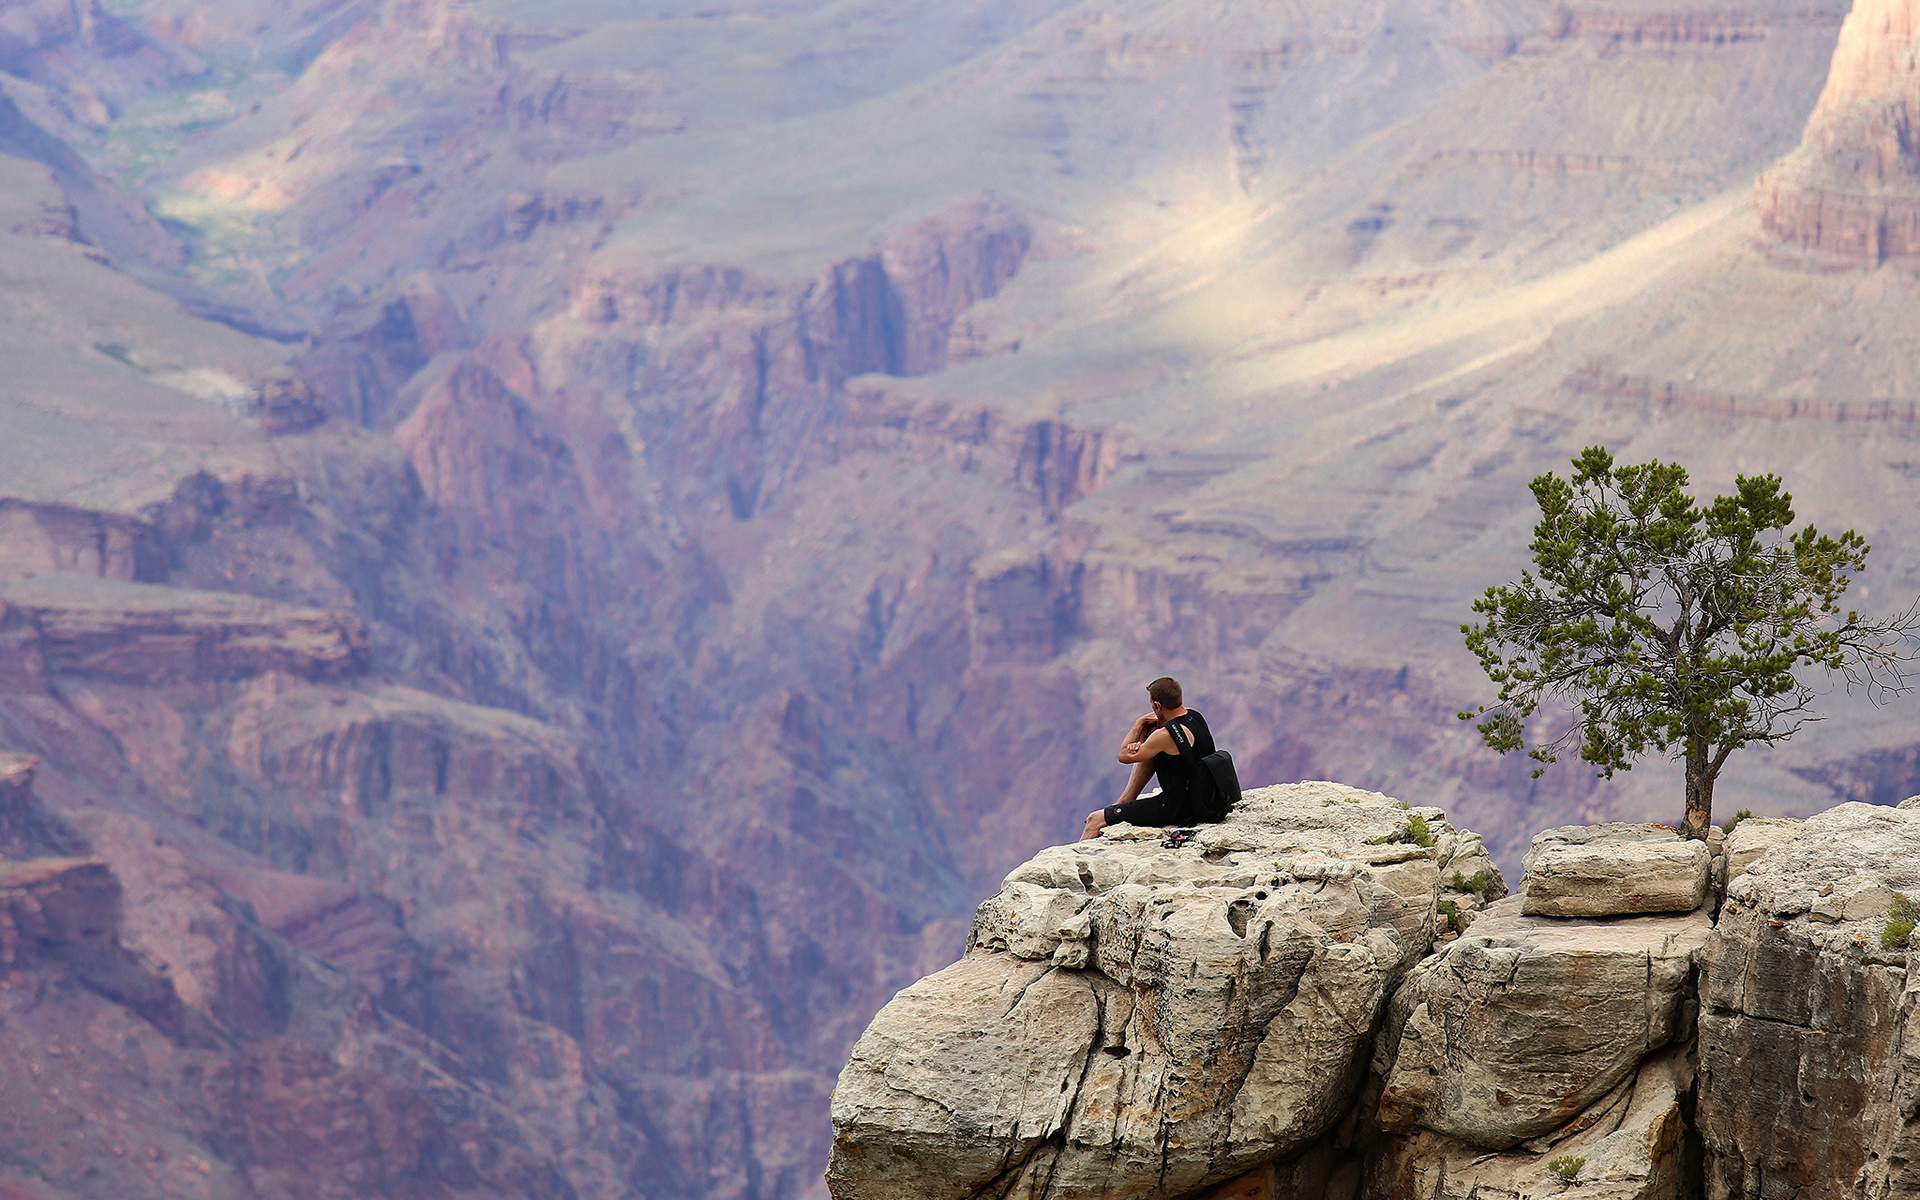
[(135, 633), (1852, 189), (56, 904)]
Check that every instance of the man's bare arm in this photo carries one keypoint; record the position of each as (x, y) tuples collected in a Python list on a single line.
[(1137, 732), (1157, 742)]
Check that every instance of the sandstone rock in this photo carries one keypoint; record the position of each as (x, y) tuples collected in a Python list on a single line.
[(1629, 1145), (1609, 870), (1852, 188), (1133, 1021), (1754, 837), (144, 634), (1810, 1070), (1510, 1032)]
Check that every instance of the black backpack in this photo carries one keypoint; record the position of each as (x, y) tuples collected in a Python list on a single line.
[(1217, 784)]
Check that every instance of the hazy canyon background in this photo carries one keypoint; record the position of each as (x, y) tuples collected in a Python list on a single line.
[(554, 550)]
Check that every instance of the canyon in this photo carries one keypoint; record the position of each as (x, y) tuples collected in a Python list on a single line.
[(549, 553)]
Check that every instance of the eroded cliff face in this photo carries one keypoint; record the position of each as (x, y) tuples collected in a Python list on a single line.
[(1852, 189), (161, 1041), (1655, 1045)]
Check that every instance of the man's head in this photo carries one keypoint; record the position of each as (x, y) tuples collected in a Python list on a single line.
[(1164, 692)]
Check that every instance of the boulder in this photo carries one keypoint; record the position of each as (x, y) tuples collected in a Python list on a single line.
[(1137, 1022), (1753, 837), (1515, 1029), (1629, 1145), (1613, 870), (1809, 1082)]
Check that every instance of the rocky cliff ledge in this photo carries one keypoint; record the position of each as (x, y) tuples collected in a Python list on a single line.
[(1324, 997)]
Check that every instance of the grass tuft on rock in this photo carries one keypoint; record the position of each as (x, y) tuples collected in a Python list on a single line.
[(1900, 922), (1566, 1166)]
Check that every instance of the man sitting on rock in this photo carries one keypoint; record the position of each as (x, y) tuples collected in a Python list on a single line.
[(1167, 743)]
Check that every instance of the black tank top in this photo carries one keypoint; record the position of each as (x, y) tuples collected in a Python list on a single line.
[(1177, 772)]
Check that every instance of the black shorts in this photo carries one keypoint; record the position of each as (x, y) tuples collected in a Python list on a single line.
[(1159, 811)]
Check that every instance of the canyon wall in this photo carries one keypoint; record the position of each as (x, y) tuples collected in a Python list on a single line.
[(567, 560)]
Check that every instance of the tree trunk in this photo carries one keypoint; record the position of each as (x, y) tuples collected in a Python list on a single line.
[(1699, 797)]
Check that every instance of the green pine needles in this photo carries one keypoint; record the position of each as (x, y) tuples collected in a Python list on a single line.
[(1673, 625)]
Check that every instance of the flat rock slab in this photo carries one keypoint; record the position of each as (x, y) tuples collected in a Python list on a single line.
[(1614, 870), (1510, 1032), (1137, 1022)]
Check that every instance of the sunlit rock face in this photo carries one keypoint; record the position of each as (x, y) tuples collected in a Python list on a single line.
[(1139, 1021), (1853, 187)]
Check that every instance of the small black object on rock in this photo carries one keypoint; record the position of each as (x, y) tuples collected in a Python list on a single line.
[(1179, 838)]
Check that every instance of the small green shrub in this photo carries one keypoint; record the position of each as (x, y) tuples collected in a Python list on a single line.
[(1479, 883), (1451, 912), (1735, 819), (1414, 833), (1900, 922), (1417, 832), (1566, 1166)]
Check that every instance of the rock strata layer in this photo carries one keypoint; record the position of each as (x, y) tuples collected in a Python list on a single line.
[(139, 633), (1134, 1021)]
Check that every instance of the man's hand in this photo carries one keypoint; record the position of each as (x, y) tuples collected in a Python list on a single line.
[(1147, 722), (1096, 821)]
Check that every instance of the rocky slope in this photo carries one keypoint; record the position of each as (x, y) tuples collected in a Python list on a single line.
[(1209, 1012)]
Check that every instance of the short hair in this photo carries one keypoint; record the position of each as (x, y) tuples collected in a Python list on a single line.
[(1165, 691)]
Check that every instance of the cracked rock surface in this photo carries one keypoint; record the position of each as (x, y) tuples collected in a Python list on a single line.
[(1136, 1022), (1630, 1145), (1513, 1031), (1809, 1044)]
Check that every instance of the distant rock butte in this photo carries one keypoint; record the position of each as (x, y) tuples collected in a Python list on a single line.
[(1134, 1021), (1852, 188)]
